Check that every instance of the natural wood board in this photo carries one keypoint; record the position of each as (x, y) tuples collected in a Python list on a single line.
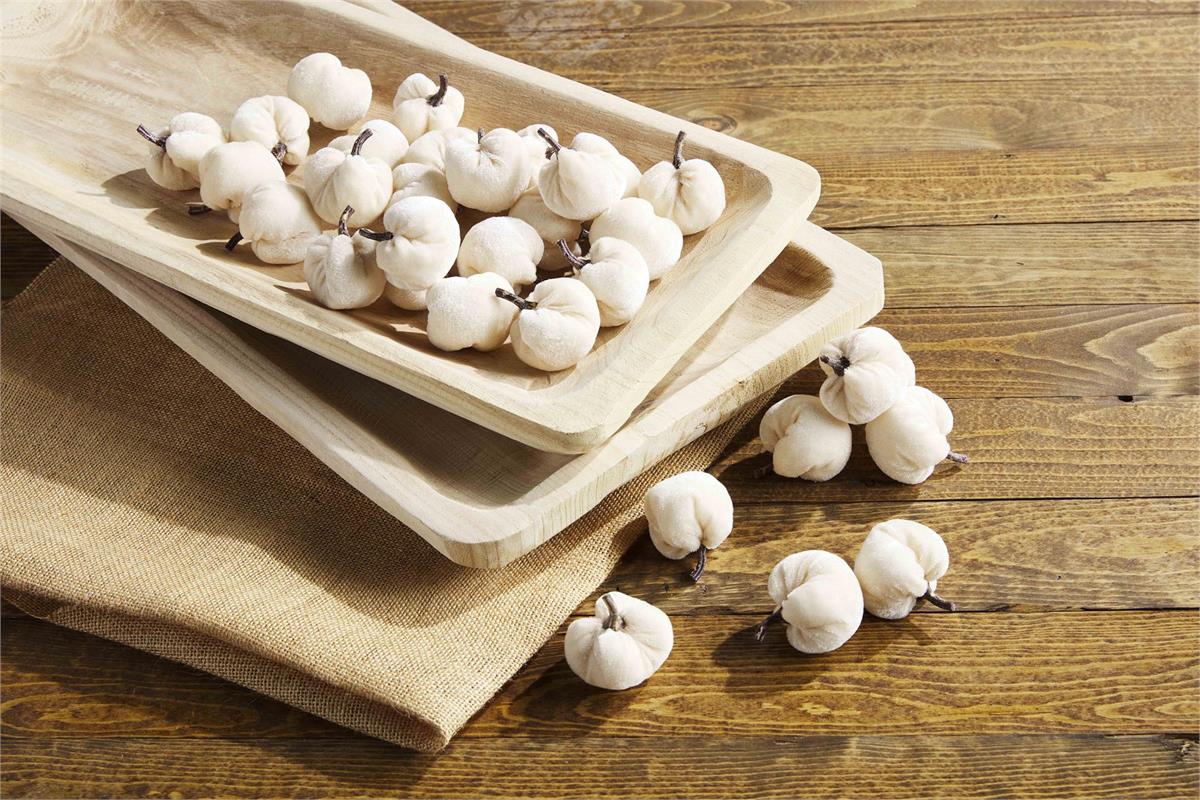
[(582, 15), (1161, 767), (1013, 555), (98, 192), (408, 456), (1032, 265), (1019, 448), (854, 53), (933, 673)]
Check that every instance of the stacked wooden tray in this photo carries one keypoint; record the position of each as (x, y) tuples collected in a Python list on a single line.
[(364, 390), (480, 498)]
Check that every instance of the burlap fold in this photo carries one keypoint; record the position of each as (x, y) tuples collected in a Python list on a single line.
[(145, 502)]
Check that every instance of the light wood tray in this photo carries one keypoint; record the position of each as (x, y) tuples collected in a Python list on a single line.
[(77, 79), (480, 498)]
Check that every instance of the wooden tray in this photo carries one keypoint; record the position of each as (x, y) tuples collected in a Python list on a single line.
[(480, 498), (79, 77)]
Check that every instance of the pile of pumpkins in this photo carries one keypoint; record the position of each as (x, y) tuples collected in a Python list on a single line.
[(582, 210)]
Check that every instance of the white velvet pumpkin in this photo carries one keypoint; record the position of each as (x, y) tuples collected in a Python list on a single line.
[(622, 645), (805, 440), (175, 150), (817, 595), (865, 371), (689, 513), (899, 563)]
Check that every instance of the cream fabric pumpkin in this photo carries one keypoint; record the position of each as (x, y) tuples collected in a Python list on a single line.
[(465, 312), (419, 244), (531, 208), (578, 185), (689, 513), (557, 324), (909, 439), (865, 371), (593, 143), (334, 180), (334, 95), (278, 221), (899, 563), (420, 105), (805, 440), (622, 645), (340, 269), (386, 142), (658, 239), (616, 273), (278, 123), (420, 180), (536, 148), (176, 150), (228, 171), (430, 148), (817, 595), (406, 299), (490, 173), (506, 246), (689, 192)]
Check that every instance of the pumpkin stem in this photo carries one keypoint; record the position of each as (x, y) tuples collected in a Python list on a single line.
[(516, 300), (677, 157), (344, 221), (957, 458), (575, 261), (233, 241), (195, 209), (377, 237), (701, 563), (585, 238), (614, 621), (839, 367), (151, 138), (279, 151), (479, 134), (940, 602), (357, 147), (554, 146), (760, 631), (436, 98)]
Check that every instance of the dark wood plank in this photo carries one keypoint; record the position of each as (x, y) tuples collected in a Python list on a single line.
[(1022, 555), (850, 54), (815, 122), (1044, 351), (929, 766), (1106, 672), (1094, 672), (1130, 183), (538, 15), (1019, 448), (1031, 265), (60, 682)]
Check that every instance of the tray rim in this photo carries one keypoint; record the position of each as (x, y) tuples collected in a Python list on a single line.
[(854, 295), (562, 422)]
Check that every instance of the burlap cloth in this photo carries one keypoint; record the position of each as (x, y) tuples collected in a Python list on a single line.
[(144, 502)]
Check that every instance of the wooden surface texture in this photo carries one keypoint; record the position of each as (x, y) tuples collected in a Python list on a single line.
[(1027, 172)]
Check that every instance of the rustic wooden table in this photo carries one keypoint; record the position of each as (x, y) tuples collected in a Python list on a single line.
[(1027, 171)]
